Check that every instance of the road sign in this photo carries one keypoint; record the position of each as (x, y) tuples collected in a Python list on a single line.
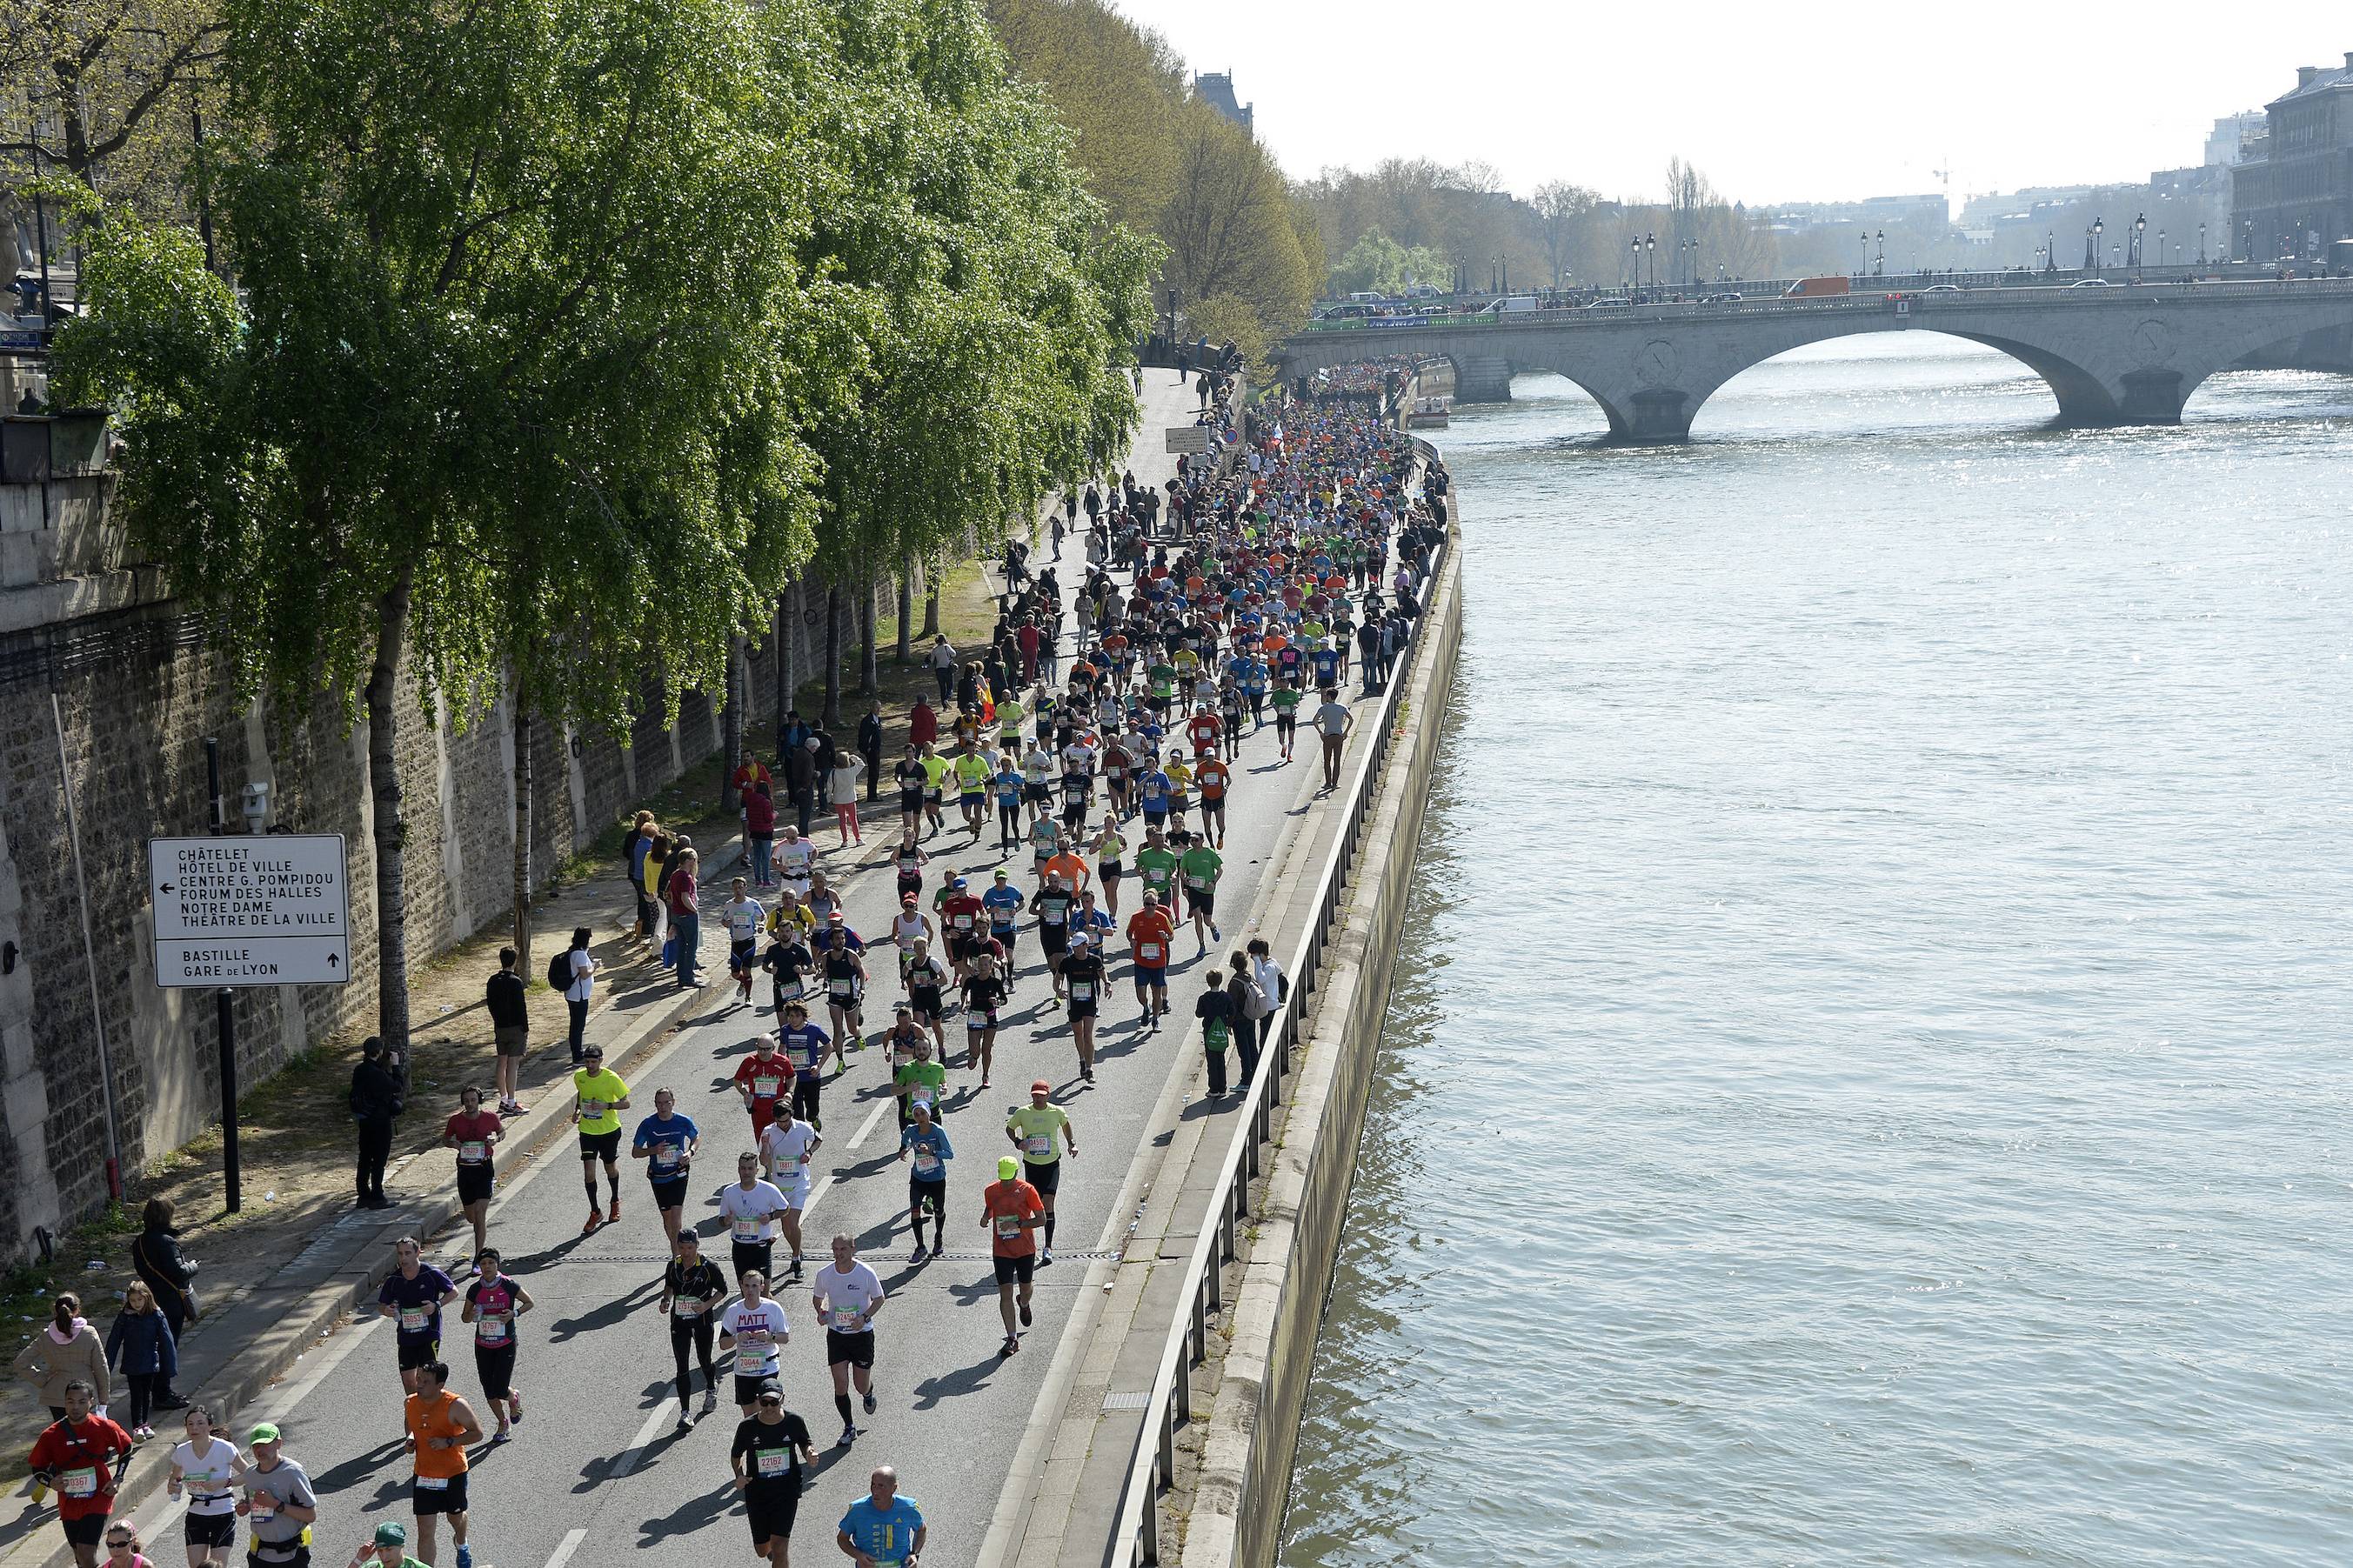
[(1193, 439), (259, 910)]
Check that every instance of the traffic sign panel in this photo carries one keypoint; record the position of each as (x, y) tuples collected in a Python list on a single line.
[(267, 909)]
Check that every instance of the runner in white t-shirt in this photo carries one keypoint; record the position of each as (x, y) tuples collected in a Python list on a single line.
[(786, 1148), (208, 1469), (751, 1207), (795, 856), (745, 917), (845, 1295), (755, 1324)]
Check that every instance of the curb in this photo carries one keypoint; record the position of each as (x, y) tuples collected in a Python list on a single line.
[(303, 1316)]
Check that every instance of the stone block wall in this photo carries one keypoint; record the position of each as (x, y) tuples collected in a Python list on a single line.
[(131, 691)]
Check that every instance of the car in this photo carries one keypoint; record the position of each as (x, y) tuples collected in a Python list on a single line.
[(1612, 304), (2095, 283), (1722, 299), (1942, 288)]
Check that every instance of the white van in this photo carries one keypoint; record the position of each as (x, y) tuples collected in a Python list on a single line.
[(1511, 306)]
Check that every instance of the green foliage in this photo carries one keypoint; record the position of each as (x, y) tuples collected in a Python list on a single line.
[(1378, 262)]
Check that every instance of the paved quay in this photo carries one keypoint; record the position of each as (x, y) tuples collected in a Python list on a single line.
[(597, 1468)]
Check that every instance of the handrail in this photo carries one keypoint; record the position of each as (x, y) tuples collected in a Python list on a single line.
[(1135, 1537)]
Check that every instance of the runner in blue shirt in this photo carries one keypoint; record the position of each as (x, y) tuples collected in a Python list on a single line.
[(665, 1141), (882, 1530), (1004, 901), (806, 1045)]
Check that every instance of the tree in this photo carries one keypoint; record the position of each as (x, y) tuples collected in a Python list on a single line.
[(108, 82), (1562, 210), (1378, 263), (510, 389), (1228, 225)]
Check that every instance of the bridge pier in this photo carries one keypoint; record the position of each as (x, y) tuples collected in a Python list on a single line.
[(1660, 415), (1482, 379)]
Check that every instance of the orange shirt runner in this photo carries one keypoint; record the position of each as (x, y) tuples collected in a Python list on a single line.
[(1006, 1203), (1148, 935), (426, 1422)]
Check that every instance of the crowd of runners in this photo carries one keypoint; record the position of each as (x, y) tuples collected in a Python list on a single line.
[(1095, 739)]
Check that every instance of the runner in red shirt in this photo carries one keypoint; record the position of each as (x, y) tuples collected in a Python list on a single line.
[(961, 913), (763, 1078), (81, 1459), (1213, 778), (1204, 728), (1149, 932), (1010, 1210)]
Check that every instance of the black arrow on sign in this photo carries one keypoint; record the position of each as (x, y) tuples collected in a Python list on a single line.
[(166, 888), (332, 961)]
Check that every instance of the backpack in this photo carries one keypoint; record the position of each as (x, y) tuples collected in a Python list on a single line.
[(559, 971)]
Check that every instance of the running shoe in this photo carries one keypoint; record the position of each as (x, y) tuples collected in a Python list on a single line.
[(1025, 1314), (615, 1217), (870, 1402), (709, 1402), (685, 1421), (501, 1436), (595, 1219), (918, 1255), (849, 1435)]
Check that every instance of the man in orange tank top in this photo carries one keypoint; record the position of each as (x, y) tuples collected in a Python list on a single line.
[(440, 1425)]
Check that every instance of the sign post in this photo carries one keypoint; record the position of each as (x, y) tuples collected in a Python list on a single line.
[(1191, 439), (259, 910)]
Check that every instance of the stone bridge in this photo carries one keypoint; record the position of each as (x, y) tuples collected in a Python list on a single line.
[(2122, 354)]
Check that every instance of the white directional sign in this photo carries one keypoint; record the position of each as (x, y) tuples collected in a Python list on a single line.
[(264, 909), (1189, 439)]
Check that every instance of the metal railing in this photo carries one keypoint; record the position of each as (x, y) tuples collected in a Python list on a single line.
[(1168, 1408)]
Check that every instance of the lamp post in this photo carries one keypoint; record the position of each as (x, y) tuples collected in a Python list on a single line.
[(1650, 248), (2140, 244), (2202, 245), (1634, 266), (1862, 260), (2091, 251), (2051, 249), (1880, 266)]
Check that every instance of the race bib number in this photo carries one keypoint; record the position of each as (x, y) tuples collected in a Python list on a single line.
[(1008, 1227), (687, 1307), (747, 1230), (841, 988), (591, 1110), (80, 1481), (964, 923), (1197, 883), (491, 1330), (261, 1509), (433, 1483), (474, 1151), (926, 1162), (926, 1094), (774, 1462), (412, 1319), (764, 1087), (666, 1154), (1148, 953), (848, 1321), (1083, 991), (1039, 1147)]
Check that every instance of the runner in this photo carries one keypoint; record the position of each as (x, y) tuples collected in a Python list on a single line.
[(81, 1457), (960, 913), (762, 1079), (1010, 1210), (472, 1132), (925, 978), (935, 774), (771, 1446), (983, 990), (210, 1469), (795, 861), (693, 1289), (1214, 778), (666, 1142), (599, 1098), (1201, 866), (882, 1530), (744, 916), (493, 1302), (845, 981), (925, 1142), (1149, 933), (1286, 715), (1004, 903), (279, 1505), (1033, 1129), (909, 859), (845, 1295), (1083, 975), (909, 928), (1157, 867), (757, 1329), (440, 1427), (786, 1149), (806, 1046), (922, 1083), (1052, 903), (387, 1548), (1110, 848), (751, 1208), (787, 959), (413, 1295), (973, 774)]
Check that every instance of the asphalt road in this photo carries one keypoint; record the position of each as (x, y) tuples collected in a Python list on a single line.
[(596, 1470)]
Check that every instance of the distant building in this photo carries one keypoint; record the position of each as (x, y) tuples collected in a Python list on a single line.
[(2226, 144), (1872, 212), (2292, 193), (1216, 88)]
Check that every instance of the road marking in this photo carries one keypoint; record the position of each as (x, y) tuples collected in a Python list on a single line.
[(873, 1117), (823, 1184), (572, 1540), (626, 1463)]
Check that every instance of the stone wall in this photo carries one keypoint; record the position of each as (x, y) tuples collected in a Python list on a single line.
[(93, 655)]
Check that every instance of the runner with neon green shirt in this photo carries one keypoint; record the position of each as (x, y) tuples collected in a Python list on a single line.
[(1162, 676), (972, 776), (598, 1098), (1034, 1129), (921, 1081), (935, 776), (1157, 865), (1286, 699), (1201, 866)]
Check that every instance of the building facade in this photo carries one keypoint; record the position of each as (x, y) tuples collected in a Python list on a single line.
[(1216, 88), (2293, 194)]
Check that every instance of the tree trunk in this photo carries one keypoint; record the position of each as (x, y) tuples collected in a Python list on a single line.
[(931, 602), (787, 609), (522, 837), (906, 611), (730, 723), (391, 829), (869, 681), (832, 718)]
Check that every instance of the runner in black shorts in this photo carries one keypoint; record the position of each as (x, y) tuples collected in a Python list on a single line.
[(846, 1297), (770, 1449)]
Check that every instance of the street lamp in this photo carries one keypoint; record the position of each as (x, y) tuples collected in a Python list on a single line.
[(2140, 244), (2091, 249), (1635, 273), (2051, 249), (2202, 245), (1651, 246), (1863, 263), (1879, 266)]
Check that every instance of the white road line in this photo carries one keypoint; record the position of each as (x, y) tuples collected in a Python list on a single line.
[(572, 1540), (873, 1117), (815, 1192), (655, 1419)]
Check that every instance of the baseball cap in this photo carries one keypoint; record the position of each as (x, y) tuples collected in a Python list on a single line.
[(688, 1238), (1007, 1167), (594, 1053), (908, 898), (1039, 1085), (267, 1432), (1000, 873), (957, 883), (392, 1533)]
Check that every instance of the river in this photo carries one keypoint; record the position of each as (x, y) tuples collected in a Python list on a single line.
[(1866, 1077)]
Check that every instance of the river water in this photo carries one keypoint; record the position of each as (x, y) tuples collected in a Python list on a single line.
[(1866, 1077)]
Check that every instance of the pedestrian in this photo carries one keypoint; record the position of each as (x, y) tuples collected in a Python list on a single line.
[(692, 1288), (943, 660), (760, 833), (80, 1456), (870, 746), (653, 881), (441, 1426), (578, 971), (748, 773), (279, 1506), (846, 770), (375, 1102), (1253, 1008), (679, 895), (412, 1296), (923, 723), (208, 1469), (494, 1301), (504, 998), (140, 1346), (1333, 721), (845, 1297), (66, 1349), (156, 1258), (633, 848), (883, 1527), (1214, 1009), (771, 1445), (472, 1132), (801, 784), (599, 1098)]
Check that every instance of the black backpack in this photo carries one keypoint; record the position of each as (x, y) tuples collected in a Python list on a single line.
[(559, 971)]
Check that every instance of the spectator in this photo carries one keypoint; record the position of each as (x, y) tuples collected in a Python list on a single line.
[(943, 660), (140, 1346), (502, 995), (747, 772), (924, 723), (800, 783), (68, 1351), (679, 895), (870, 746), (375, 1102), (656, 870), (634, 849), (582, 984), (171, 1276), (760, 834)]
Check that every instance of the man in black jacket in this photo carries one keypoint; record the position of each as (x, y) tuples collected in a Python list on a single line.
[(869, 746), (375, 1100), (510, 1026)]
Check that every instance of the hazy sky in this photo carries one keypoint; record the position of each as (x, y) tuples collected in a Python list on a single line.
[(1773, 99)]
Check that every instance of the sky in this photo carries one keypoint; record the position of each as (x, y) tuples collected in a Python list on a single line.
[(1775, 100)]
